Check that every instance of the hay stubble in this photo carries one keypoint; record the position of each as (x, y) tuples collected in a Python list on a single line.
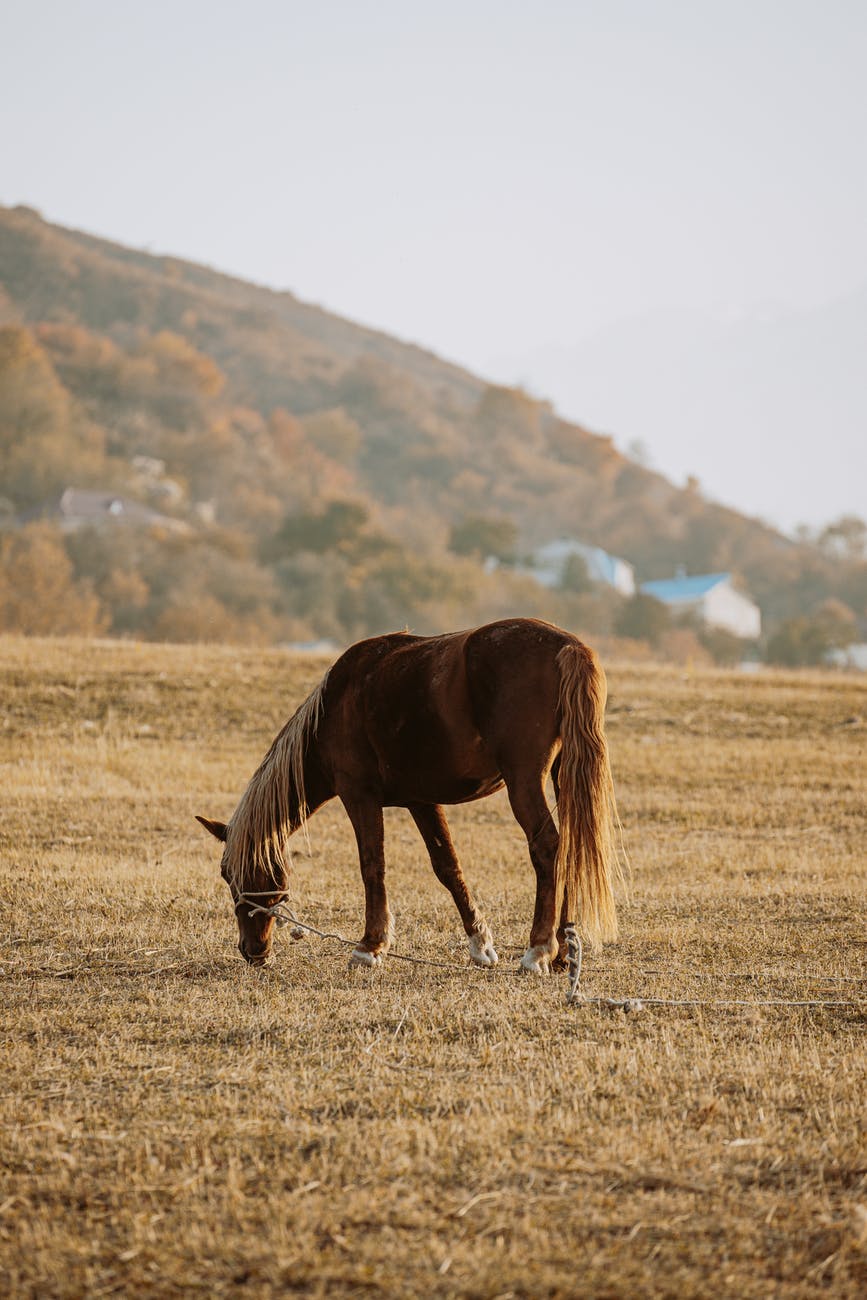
[(174, 1123)]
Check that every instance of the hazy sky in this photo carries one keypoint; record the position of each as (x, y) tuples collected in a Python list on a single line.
[(487, 179)]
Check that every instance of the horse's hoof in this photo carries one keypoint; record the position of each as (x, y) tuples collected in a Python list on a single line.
[(361, 957), (482, 950), (537, 961)]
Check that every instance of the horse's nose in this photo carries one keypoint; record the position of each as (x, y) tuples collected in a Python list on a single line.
[(255, 956)]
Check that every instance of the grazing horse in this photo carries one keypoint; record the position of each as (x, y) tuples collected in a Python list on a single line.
[(417, 722)]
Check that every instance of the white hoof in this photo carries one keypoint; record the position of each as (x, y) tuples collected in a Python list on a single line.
[(360, 957), (482, 950), (537, 961)]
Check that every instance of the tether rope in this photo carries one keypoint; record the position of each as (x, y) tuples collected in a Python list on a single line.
[(284, 915)]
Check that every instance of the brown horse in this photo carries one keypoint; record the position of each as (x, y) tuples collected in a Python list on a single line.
[(418, 722)]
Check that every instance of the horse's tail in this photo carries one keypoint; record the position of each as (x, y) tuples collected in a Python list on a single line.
[(587, 858)]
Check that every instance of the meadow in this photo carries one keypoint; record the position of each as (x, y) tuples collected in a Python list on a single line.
[(175, 1123)]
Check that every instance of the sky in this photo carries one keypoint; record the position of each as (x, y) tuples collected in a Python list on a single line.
[(532, 190)]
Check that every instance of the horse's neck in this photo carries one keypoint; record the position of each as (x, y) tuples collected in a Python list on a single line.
[(317, 788)]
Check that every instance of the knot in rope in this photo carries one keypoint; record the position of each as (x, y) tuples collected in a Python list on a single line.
[(575, 960)]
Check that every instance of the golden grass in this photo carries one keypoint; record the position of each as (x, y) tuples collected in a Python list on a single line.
[(174, 1123)]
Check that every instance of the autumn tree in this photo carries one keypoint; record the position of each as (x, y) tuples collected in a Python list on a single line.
[(335, 433), (846, 538), (171, 379), (39, 595), (808, 639), (32, 399), (509, 415), (484, 535), (336, 526), (643, 618), (43, 440)]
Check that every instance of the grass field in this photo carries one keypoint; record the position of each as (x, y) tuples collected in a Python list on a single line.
[(174, 1123)]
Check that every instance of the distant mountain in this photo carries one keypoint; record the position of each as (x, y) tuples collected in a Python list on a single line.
[(767, 410), (331, 481)]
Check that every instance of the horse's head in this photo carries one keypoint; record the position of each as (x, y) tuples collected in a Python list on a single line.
[(255, 923)]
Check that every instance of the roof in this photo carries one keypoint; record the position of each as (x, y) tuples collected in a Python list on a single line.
[(84, 504), (82, 507), (672, 590)]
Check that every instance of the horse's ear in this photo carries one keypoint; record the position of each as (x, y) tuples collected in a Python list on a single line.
[(217, 829)]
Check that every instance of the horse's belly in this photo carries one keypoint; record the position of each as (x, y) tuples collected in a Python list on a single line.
[(435, 765), (440, 789)]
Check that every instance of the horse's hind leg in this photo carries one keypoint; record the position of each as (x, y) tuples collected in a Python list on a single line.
[(527, 797), (431, 822), (366, 817)]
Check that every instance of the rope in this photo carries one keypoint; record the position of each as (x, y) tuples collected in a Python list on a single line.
[(768, 974), (638, 1004), (283, 915), (575, 959)]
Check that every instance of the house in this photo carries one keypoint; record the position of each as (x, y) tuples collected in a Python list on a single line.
[(87, 508), (548, 565), (713, 598), (851, 656)]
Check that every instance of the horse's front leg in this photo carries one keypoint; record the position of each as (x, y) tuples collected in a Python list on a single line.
[(366, 817)]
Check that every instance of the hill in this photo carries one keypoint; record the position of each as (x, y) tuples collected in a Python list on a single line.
[(311, 477)]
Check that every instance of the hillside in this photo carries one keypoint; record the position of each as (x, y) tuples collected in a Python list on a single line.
[(324, 479)]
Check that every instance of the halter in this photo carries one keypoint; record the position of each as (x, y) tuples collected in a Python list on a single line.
[(278, 911), (282, 914)]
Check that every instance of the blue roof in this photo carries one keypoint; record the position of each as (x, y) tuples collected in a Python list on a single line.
[(671, 590)]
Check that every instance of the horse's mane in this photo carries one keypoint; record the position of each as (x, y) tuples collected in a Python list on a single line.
[(274, 803)]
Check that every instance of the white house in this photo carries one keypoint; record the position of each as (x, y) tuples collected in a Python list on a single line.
[(850, 656), (549, 565), (713, 598)]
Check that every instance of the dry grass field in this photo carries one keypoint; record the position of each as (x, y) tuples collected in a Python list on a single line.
[(174, 1123)]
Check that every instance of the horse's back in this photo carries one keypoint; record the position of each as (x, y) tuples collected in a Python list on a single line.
[(440, 717), (455, 673), (511, 645)]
